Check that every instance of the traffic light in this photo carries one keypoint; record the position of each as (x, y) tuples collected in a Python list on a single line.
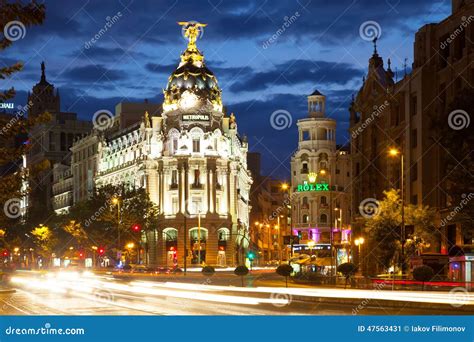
[(251, 255), (5, 253), (101, 251), (136, 227), (81, 254)]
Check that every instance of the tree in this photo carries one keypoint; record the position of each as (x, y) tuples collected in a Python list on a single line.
[(241, 271), (348, 270), (285, 270), (423, 273), (384, 232), (45, 241), (15, 129)]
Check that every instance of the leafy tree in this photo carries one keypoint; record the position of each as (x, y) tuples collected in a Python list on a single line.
[(241, 271), (45, 240), (15, 128), (423, 273), (285, 270), (384, 232), (348, 270)]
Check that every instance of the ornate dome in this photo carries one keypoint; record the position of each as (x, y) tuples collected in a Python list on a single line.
[(192, 84)]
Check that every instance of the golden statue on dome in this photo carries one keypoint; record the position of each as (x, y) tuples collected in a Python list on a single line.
[(191, 30)]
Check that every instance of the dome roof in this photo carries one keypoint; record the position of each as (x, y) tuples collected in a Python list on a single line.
[(192, 76)]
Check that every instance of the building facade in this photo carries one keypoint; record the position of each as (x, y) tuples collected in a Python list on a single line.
[(50, 141), (402, 113), (320, 187), (193, 164)]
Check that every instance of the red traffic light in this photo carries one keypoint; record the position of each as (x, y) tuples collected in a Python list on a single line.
[(101, 251), (81, 254), (5, 253), (136, 228)]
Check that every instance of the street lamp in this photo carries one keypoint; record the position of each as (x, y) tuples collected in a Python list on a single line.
[(394, 152), (116, 201), (311, 244), (359, 242)]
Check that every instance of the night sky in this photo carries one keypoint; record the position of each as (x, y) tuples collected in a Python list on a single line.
[(320, 48)]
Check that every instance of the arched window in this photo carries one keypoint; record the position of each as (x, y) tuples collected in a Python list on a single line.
[(223, 234), (170, 234), (305, 218), (305, 203), (323, 218)]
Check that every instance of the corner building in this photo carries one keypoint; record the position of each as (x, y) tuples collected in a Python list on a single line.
[(193, 164)]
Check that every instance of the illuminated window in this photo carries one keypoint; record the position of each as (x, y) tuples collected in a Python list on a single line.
[(305, 218), (323, 218), (196, 145)]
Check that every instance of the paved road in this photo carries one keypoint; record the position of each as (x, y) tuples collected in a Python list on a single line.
[(43, 295)]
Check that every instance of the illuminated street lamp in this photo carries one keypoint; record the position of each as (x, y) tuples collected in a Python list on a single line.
[(116, 201), (359, 242), (285, 186), (394, 152), (311, 244)]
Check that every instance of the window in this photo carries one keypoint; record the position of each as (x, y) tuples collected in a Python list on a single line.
[(414, 199), (175, 144), (196, 177), (305, 218), (414, 137), (63, 141), (196, 145), (174, 177), (305, 168), (413, 104), (323, 218), (357, 170), (323, 200), (414, 172), (174, 202), (305, 203), (306, 135)]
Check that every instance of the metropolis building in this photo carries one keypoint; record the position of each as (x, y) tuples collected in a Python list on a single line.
[(192, 162)]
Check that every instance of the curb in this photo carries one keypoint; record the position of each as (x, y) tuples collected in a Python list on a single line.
[(7, 291)]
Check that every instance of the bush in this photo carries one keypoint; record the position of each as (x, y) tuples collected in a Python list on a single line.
[(423, 273), (208, 271), (347, 269), (241, 271), (285, 271)]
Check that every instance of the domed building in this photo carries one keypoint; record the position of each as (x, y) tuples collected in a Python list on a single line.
[(193, 164)]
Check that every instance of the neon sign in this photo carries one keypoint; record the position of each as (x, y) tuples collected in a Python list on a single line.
[(312, 187)]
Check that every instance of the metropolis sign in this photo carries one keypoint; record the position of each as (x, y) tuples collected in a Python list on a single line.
[(312, 187), (196, 117)]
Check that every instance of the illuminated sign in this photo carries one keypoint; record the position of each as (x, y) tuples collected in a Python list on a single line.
[(196, 117), (313, 187)]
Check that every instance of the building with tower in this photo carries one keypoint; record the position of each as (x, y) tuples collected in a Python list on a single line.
[(193, 163), (404, 113), (50, 141), (320, 188)]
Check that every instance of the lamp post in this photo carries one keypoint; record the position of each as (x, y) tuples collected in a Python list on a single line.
[(116, 201), (285, 187), (359, 242), (323, 172), (393, 152)]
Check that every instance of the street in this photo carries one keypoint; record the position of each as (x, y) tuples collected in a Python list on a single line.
[(71, 293)]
